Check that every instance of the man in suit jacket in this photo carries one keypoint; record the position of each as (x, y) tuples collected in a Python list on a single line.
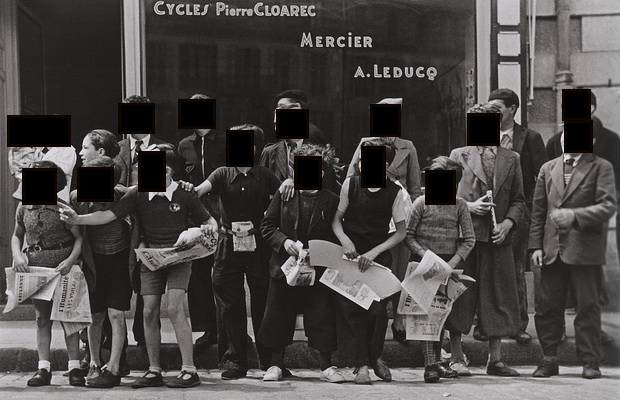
[(531, 149), (203, 151), (574, 198)]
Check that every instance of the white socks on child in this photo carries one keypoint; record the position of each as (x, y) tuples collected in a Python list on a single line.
[(188, 368), (73, 364), (44, 364)]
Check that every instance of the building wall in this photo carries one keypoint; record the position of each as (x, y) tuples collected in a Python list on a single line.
[(594, 61)]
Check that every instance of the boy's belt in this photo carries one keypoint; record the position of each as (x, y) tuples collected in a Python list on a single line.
[(59, 246), (234, 233)]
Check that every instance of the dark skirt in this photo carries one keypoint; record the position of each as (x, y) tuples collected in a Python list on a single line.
[(493, 297)]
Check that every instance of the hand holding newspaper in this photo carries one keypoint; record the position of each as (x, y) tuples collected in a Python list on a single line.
[(155, 259), (424, 280), (297, 270)]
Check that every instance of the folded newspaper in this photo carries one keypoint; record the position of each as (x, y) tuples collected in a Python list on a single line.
[(155, 259), (425, 277), (297, 270), (358, 292), (378, 278), (39, 283), (69, 294)]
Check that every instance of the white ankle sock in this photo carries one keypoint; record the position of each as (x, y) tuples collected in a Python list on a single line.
[(156, 369), (188, 368), (44, 364), (73, 364)]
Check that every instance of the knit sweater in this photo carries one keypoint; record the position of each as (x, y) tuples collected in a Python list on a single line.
[(443, 229)]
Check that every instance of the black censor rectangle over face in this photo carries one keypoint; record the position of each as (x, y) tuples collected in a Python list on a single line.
[(95, 184), (196, 113), (385, 120), (39, 186), (308, 173), (440, 187), (292, 123), (151, 171), (483, 129), (38, 130), (137, 118), (576, 104), (373, 169), (239, 148), (578, 136)]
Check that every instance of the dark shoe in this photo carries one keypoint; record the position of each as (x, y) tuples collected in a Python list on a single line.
[(382, 371), (286, 373), (432, 373), (523, 337), (184, 380), (42, 378), (546, 369), (591, 371), (499, 368), (206, 340), (447, 372), (231, 374), (123, 368), (400, 335), (478, 336), (76, 377), (149, 379), (105, 381)]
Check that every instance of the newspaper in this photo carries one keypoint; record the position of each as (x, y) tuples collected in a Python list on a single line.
[(155, 259), (297, 270), (358, 292), (428, 326), (39, 283), (71, 303), (424, 280), (378, 278)]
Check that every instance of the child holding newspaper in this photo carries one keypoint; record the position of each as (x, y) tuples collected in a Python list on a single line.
[(447, 231), (164, 216), (52, 244)]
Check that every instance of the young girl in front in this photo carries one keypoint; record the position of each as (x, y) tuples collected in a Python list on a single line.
[(447, 231), (51, 244)]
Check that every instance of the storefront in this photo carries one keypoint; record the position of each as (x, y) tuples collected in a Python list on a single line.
[(82, 57)]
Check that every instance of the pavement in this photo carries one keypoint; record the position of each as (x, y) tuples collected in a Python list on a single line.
[(18, 348), (407, 384)]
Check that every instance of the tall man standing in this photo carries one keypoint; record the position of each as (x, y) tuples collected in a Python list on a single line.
[(204, 151), (531, 149), (574, 198)]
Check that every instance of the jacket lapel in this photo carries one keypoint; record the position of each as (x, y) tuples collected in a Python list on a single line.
[(399, 158), (292, 207), (579, 173), (557, 176), (502, 166), (518, 138), (280, 159), (319, 210), (471, 159)]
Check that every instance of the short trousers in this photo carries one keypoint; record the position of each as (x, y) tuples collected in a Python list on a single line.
[(113, 285), (176, 276)]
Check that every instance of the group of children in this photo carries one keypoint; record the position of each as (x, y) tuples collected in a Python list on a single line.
[(358, 220)]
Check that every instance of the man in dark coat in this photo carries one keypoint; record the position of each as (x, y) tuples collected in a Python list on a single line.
[(574, 198), (530, 147), (203, 151)]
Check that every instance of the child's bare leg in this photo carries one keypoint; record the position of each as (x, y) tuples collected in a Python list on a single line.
[(183, 331), (94, 338), (119, 331), (43, 311), (456, 347), (152, 334)]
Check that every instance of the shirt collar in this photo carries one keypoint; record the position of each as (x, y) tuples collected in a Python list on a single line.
[(168, 193), (209, 136), (510, 132), (252, 172), (145, 142), (298, 142), (481, 149), (575, 159)]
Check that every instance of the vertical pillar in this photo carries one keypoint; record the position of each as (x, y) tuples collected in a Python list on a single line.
[(133, 48), (563, 75)]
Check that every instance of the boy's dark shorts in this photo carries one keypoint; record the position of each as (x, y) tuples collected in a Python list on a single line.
[(113, 286), (154, 282)]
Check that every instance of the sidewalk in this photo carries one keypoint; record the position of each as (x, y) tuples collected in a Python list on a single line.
[(407, 384), (18, 348)]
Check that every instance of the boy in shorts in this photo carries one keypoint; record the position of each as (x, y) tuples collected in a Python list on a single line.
[(164, 215)]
